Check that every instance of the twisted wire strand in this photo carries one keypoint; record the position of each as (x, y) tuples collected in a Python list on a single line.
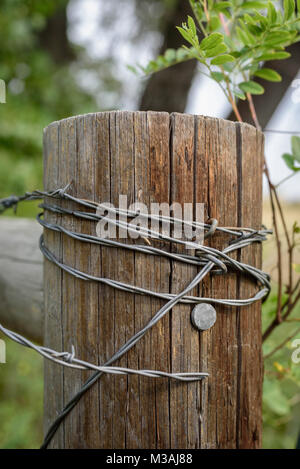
[(189, 259), (206, 258), (69, 360), (12, 202), (142, 291)]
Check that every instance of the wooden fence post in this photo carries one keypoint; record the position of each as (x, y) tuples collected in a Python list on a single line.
[(153, 157)]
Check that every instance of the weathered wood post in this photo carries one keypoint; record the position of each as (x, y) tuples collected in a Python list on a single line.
[(153, 157)]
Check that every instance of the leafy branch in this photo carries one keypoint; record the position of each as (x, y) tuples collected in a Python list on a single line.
[(232, 39)]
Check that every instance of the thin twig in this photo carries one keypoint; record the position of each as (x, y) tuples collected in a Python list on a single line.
[(224, 24), (206, 11), (273, 193), (289, 243), (285, 179), (278, 244), (253, 111)]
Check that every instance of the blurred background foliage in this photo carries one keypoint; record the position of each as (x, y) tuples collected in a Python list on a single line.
[(281, 398), (40, 87), (43, 71), (21, 394)]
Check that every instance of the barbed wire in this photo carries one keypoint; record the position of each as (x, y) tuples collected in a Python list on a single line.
[(207, 259), (69, 360)]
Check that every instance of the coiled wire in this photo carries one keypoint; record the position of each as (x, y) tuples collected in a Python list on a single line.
[(206, 258)]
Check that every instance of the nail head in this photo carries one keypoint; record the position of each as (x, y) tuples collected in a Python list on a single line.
[(203, 316)]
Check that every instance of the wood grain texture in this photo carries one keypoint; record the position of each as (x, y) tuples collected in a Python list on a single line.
[(185, 413), (53, 304), (218, 180), (154, 157), (249, 320)]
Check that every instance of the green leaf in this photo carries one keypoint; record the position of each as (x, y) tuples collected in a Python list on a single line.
[(296, 229), (251, 39), (227, 13), (279, 17), (252, 68), (289, 161), (277, 38), (236, 54), (228, 67), (249, 20), (211, 41), (134, 70), (186, 35), (181, 54), (170, 55), (222, 59), (217, 76), (289, 8), (272, 14), (296, 147), (191, 25), (239, 94), (255, 30), (251, 87), (268, 74), (151, 67), (297, 268), (221, 6), (250, 5), (214, 24), (274, 397), (161, 62), (197, 9), (274, 56), (245, 36), (261, 19), (219, 49)]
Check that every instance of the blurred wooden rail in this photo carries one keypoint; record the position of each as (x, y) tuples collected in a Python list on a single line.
[(21, 277)]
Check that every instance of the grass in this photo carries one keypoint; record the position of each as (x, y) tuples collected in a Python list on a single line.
[(21, 397)]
